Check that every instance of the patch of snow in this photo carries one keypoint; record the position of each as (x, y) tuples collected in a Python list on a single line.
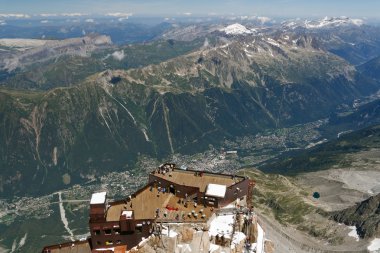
[(236, 29), (214, 248), (291, 24), (222, 225), (260, 239), (238, 237), (353, 233), (168, 233), (273, 42), (375, 245), (231, 205)]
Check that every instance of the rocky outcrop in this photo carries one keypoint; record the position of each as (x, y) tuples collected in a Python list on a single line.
[(365, 216)]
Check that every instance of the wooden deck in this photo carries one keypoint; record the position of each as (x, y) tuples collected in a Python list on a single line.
[(191, 213), (189, 178), (148, 201)]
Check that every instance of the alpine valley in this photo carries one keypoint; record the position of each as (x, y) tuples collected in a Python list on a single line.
[(293, 97)]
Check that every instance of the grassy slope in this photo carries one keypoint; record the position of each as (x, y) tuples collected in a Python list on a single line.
[(283, 199)]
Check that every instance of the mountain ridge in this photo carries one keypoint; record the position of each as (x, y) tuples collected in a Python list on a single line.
[(179, 105)]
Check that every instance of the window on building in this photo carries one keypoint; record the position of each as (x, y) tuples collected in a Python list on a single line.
[(96, 231), (107, 231), (117, 231), (109, 242), (98, 243), (118, 242)]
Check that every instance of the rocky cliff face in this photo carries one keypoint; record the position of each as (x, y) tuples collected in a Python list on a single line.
[(365, 216)]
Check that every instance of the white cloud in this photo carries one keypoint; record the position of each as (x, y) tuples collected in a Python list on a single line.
[(118, 55), (68, 14), (48, 15), (2, 22), (119, 14), (90, 20), (263, 20), (44, 21), (187, 13), (14, 15), (76, 14)]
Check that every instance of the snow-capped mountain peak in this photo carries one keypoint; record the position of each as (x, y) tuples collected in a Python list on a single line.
[(236, 29), (328, 22)]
